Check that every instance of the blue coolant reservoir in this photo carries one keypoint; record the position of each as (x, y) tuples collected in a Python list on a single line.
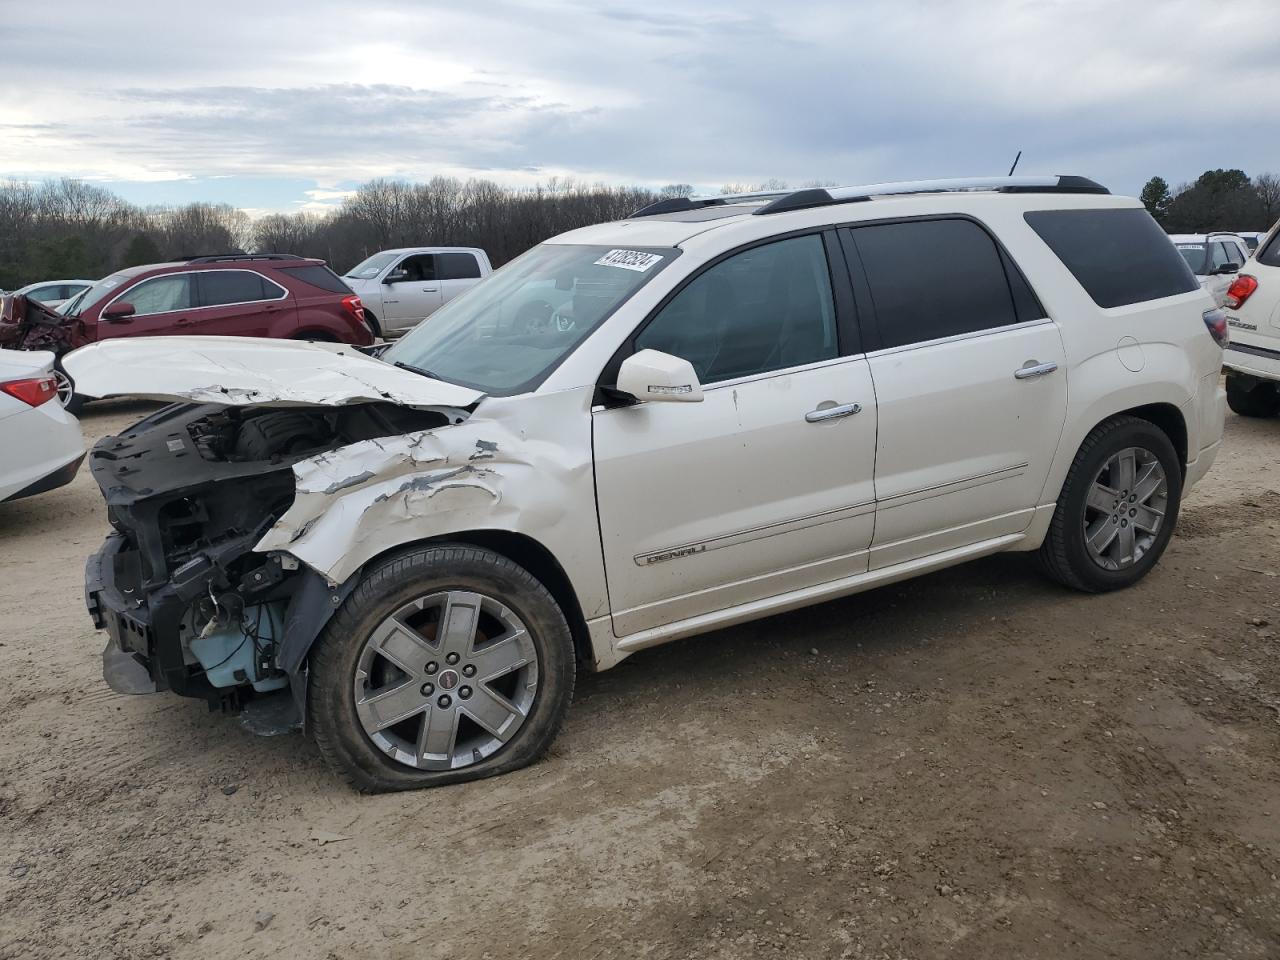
[(229, 649)]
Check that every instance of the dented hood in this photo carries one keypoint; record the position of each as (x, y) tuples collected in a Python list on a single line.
[(251, 371)]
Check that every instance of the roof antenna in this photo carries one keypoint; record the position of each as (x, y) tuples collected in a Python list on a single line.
[(1015, 163)]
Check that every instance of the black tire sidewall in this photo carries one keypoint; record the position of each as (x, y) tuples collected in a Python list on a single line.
[(1262, 399), (389, 585), (1127, 433)]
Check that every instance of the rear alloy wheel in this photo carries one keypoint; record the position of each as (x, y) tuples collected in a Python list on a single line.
[(445, 664), (1251, 397), (1117, 509)]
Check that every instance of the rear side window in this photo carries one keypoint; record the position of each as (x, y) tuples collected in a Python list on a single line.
[(318, 276), (457, 266), (937, 278), (224, 287), (1119, 256)]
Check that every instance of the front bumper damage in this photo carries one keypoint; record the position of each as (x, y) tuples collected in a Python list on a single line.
[(187, 602)]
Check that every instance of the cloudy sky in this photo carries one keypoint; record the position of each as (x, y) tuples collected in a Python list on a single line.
[(279, 106)]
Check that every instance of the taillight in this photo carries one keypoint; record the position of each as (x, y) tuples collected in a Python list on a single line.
[(354, 307), (32, 392), (1216, 321), (1240, 291)]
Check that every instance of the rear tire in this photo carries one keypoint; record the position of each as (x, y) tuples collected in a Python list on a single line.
[(372, 321), (1100, 537), (1250, 397), (402, 656)]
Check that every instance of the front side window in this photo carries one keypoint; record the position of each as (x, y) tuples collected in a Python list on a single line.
[(505, 335), (931, 279), (160, 295), (46, 293), (767, 308), (222, 287), (414, 269), (1220, 255)]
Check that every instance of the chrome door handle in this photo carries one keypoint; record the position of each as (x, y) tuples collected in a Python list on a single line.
[(832, 413), (428, 289), (1034, 370)]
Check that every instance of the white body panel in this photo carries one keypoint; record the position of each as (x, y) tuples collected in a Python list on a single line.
[(1255, 324), (37, 441), (941, 482), (705, 506), (251, 371)]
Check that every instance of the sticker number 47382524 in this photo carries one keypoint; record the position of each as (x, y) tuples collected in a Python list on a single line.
[(629, 260)]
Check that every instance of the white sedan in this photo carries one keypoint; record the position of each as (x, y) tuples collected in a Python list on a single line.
[(42, 442), (53, 293)]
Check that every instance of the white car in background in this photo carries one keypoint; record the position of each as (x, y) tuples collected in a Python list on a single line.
[(53, 293), (41, 441), (400, 288), (1253, 311), (1214, 258)]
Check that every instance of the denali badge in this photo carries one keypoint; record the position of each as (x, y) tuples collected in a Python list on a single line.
[(645, 559)]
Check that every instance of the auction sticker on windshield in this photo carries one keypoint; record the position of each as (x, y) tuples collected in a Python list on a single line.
[(629, 260)]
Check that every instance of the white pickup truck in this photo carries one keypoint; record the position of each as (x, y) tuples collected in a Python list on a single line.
[(400, 288)]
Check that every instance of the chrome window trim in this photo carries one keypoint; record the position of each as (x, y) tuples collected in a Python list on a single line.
[(959, 337), (284, 293)]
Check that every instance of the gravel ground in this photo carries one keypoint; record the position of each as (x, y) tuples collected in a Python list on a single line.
[(973, 764)]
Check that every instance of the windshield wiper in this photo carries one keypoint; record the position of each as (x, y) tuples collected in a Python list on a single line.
[(418, 370)]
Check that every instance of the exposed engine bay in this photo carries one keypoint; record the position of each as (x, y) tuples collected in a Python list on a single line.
[(188, 603)]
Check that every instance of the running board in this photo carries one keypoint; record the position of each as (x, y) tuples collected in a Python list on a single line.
[(818, 593)]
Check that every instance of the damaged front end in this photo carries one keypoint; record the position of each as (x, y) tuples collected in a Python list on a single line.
[(189, 604), (29, 325)]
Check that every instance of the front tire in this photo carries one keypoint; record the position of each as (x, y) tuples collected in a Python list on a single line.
[(1250, 397), (72, 401), (445, 664), (1117, 509)]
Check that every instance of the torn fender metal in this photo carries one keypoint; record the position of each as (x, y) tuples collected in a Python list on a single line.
[(252, 371), (356, 502)]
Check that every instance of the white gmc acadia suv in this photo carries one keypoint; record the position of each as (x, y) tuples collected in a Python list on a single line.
[(1253, 311), (740, 406)]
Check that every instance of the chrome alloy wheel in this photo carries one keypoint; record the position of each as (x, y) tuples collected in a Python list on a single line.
[(1126, 508), (65, 388), (446, 680)]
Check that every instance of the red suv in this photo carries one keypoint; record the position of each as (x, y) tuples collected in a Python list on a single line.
[(245, 295)]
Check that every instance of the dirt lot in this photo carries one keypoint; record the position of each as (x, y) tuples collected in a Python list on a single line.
[(975, 764)]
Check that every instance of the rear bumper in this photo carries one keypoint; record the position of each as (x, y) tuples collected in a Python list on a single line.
[(50, 481), (1254, 360)]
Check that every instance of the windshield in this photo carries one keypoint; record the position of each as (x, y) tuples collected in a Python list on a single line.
[(507, 333), (92, 295), (370, 268), (1196, 255)]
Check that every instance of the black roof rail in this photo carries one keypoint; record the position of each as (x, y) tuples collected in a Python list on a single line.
[(219, 258), (680, 204), (819, 197)]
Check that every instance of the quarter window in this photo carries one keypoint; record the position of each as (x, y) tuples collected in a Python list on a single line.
[(1221, 257), (457, 266), (1119, 255), (935, 278), (222, 287), (160, 295), (767, 308)]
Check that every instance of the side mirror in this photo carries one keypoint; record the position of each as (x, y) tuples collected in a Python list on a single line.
[(654, 375), (119, 311), (1229, 268), (396, 276)]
